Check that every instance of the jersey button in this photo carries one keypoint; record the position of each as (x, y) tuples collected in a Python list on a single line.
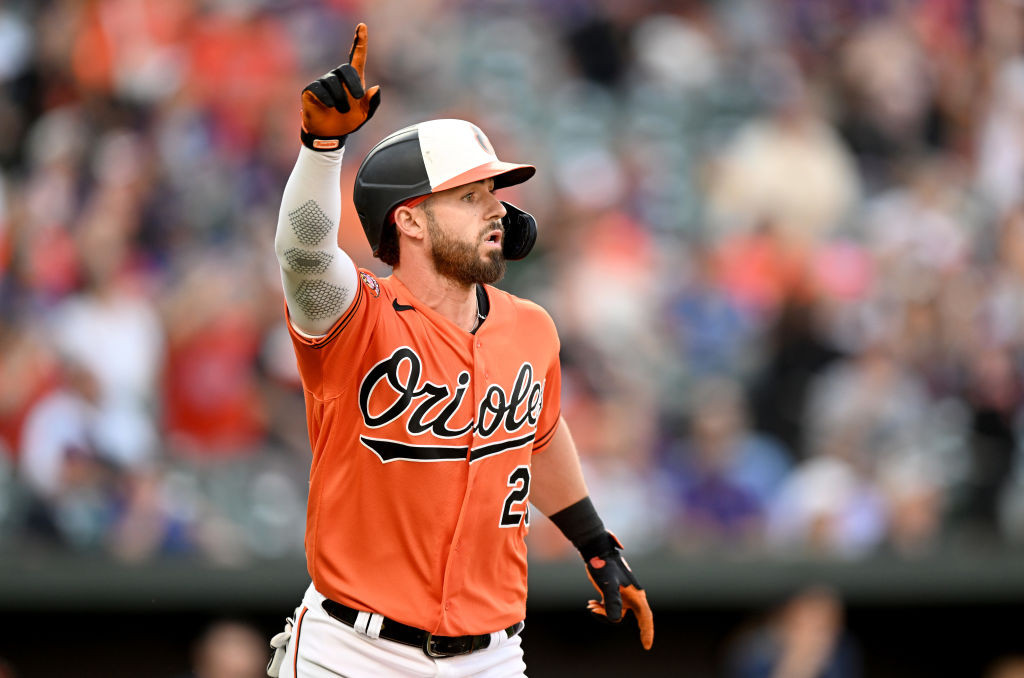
[(447, 605), (479, 344)]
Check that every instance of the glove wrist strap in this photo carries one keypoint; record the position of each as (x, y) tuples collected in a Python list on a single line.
[(321, 144), (584, 528), (603, 545)]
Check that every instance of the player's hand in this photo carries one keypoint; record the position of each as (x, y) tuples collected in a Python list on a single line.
[(338, 103), (619, 589)]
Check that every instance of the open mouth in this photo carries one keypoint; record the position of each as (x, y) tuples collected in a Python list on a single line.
[(494, 237)]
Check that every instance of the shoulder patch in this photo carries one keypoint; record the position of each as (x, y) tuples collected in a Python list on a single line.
[(370, 282)]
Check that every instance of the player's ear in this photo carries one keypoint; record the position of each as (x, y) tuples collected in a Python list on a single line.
[(409, 223)]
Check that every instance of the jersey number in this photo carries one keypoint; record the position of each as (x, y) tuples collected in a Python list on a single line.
[(519, 481)]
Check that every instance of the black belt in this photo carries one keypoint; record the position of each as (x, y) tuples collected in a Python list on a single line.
[(433, 646)]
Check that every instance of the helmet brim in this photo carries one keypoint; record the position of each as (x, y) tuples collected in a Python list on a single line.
[(504, 173)]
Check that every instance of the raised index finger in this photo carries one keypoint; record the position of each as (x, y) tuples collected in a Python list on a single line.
[(357, 55)]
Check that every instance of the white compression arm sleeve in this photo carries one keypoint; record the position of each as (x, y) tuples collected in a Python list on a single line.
[(319, 278)]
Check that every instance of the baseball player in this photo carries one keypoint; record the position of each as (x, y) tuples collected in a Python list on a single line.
[(432, 401)]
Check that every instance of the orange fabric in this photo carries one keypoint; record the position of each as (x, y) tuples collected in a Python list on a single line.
[(412, 202), (422, 542)]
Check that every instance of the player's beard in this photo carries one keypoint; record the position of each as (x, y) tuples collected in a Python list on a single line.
[(461, 261)]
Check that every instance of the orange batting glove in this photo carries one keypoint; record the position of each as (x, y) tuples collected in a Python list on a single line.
[(338, 103), (611, 576)]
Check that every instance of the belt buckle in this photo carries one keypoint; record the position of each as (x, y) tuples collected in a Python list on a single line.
[(430, 647)]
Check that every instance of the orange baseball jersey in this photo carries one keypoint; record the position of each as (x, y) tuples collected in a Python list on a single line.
[(422, 436)]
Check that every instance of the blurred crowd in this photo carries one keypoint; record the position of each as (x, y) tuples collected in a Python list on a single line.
[(783, 242)]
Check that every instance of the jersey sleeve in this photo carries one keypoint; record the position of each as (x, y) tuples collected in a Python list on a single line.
[(326, 362), (551, 412)]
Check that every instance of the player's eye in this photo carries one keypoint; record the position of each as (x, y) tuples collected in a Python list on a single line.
[(469, 196)]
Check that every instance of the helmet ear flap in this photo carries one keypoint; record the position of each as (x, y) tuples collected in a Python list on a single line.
[(520, 232)]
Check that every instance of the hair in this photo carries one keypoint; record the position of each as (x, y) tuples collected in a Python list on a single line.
[(387, 250)]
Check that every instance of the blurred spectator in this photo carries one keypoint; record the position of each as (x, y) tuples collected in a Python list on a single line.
[(28, 371), (614, 433), (16, 41), (726, 476), (995, 397), (110, 327), (759, 271), (1001, 140), (819, 202), (212, 406), (85, 497), (133, 49), (826, 508), (1003, 310), (607, 293), (797, 351), (867, 408), (788, 168), (62, 426), (804, 638), (16, 46), (241, 64), (920, 227), (709, 329), (863, 416), (45, 204), (889, 90), (230, 649), (73, 475), (151, 520), (916, 501), (676, 51), (282, 394)]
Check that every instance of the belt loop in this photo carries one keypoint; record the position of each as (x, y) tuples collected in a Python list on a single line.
[(368, 624), (373, 628), (498, 639), (362, 621)]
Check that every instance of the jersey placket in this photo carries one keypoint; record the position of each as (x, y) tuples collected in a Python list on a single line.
[(455, 566)]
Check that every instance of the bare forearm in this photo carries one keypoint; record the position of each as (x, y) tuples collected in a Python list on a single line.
[(559, 491), (557, 477)]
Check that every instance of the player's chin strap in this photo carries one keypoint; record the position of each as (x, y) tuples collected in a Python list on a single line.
[(279, 644), (520, 232)]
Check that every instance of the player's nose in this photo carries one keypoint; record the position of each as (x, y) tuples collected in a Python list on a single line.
[(495, 210)]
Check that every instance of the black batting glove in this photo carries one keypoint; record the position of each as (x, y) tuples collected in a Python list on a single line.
[(338, 103), (611, 576)]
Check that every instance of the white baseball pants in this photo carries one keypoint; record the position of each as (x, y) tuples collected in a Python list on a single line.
[(322, 647)]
